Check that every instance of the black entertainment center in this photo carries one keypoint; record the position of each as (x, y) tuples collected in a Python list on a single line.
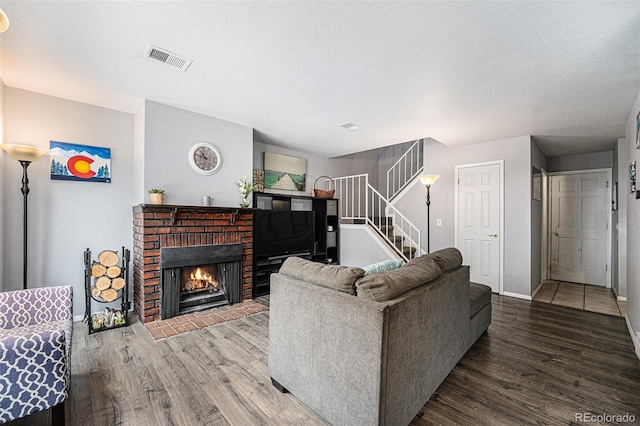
[(288, 225)]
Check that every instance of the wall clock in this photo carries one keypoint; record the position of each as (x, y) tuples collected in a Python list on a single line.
[(205, 158)]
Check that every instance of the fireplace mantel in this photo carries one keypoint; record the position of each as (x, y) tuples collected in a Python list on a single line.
[(161, 226)]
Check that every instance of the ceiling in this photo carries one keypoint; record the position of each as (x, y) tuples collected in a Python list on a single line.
[(459, 72)]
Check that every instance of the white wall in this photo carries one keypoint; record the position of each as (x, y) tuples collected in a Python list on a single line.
[(631, 228), (138, 155), (169, 133), (516, 153), (359, 246), (65, 217)]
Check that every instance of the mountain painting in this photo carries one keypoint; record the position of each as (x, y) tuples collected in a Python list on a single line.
[(85, 163), (284, 172)]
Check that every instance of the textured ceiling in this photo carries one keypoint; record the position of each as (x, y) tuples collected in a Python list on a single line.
[(460, 73)]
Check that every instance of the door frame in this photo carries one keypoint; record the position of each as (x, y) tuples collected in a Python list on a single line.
[(500, 164), (545, 241), (609, 173)]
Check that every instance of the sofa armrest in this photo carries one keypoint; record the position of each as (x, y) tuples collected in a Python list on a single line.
[(33, 370)]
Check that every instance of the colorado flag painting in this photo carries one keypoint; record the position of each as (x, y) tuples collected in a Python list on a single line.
[(70, 161)]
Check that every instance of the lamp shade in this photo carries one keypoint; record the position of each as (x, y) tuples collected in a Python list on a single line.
[(24, 152), (4, 21), (428, 180)]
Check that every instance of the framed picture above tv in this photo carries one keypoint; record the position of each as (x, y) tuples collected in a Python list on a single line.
[(284, 172)]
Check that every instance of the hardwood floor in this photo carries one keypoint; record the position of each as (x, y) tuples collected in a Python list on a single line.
[(539, 363)]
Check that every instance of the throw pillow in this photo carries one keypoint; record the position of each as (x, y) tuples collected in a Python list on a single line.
[(385, 286), (385, 265), (337, 277)]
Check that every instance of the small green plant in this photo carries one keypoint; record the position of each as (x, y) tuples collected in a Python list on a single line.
[(156, 191)]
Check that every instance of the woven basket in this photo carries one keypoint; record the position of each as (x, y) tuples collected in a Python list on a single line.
[(323, 193)]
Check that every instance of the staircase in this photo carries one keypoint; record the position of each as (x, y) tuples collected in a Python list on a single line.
[(362, 203)]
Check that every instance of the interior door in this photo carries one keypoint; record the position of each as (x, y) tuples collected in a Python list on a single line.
[(479, 222), (579, 227)]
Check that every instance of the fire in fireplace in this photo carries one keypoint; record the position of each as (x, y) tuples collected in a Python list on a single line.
[(196, 278)]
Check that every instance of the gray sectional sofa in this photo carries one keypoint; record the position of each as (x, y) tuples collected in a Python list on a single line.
[(370, 350)]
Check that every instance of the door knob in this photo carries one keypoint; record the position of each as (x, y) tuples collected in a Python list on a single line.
[(493, 235), (555, 233)]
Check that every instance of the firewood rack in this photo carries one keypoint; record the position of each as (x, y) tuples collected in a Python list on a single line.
[(123, 293)]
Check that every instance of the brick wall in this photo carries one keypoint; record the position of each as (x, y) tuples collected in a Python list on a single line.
[(156, 227)]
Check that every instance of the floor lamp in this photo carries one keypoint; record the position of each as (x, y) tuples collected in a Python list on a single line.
[(428, 180), (25, 155)]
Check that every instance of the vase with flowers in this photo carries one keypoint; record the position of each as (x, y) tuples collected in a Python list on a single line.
[(245, 187)]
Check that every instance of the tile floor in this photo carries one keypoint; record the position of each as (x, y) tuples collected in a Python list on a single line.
[(184, 323), (581, 296)]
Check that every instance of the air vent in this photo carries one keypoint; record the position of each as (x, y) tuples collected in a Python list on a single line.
[(351, 126), (167, 57)]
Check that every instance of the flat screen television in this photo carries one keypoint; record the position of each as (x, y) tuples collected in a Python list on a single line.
[(281, 232)]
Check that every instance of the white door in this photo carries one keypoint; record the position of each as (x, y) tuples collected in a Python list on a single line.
[(579, 228), (479, 221)]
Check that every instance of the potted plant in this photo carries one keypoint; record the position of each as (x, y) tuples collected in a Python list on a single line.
[(156, 195), (245, 187)]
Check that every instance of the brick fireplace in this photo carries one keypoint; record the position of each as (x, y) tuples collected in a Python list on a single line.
[(158, 227)]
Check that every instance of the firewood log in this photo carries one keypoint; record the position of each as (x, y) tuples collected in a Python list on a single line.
[(117, 283), (95, 292), (109, 295), (108, 258), (113, 271), (98, 269), (103, 283)]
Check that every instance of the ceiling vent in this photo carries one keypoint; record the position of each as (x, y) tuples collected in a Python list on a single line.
[(167, 57), (351, 126)]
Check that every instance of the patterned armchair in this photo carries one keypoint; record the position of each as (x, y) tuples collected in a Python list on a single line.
[(35, 351)]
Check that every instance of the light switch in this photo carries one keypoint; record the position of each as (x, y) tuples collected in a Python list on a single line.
[(438, 222)]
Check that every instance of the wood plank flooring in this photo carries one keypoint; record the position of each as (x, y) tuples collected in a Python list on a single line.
[(539, 363)]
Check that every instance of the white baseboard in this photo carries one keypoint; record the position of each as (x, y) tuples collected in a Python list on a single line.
[(533, 296), (635, 337), (622, 298), (516, 295)]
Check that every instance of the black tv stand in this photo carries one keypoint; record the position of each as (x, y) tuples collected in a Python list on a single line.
[(327, 225)]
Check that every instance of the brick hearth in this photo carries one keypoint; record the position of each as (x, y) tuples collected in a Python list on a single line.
[(159, 226)]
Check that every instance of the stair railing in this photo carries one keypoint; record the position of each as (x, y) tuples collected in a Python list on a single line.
[(405, 170), (362, 203)]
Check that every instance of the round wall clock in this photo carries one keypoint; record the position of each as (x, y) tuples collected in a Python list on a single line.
[(205, 158)]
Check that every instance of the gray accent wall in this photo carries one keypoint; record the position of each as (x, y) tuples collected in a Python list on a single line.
[(539, 161), (65, 217), (2, 140), (516, 153), (594, 160), (169, 132), (631, 228)]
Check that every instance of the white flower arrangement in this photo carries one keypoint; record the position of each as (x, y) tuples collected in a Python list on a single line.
[(244, 186)]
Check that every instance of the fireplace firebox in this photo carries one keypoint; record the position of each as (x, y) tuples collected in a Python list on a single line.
[(196, 278)]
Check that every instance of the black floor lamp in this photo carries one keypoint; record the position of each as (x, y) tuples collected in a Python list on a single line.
[(428, 180), (25, 155)]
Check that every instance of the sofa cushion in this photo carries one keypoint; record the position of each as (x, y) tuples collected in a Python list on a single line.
[(480, 296), (385, 286), (341, 278), (385, 265), (447, 259)]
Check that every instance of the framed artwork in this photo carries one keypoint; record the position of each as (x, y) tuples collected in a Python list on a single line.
[(638, 130), (284, 172), (85, 163), (614, 197), (632, 177), (536, 188)]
